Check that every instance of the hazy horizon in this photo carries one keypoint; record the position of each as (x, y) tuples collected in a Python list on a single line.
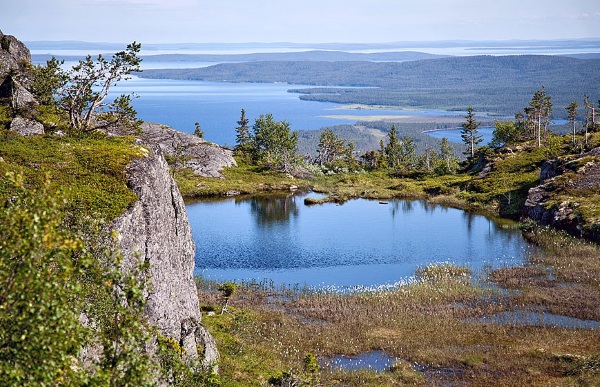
[(271, 21)]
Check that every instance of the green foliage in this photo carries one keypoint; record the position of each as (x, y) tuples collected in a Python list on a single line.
[(89, 170), (6, 117), (311, 363), (448, 163), (81, 92), (46, 81), (198, 131), (274, 145), (330, 147), (505, 132), (572, 116), (228, 288), (65, 289), (40, 332), (539, 111), (243, 138)]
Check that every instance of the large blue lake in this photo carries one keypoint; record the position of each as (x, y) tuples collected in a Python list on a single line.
[(359, 243), (217, 106)]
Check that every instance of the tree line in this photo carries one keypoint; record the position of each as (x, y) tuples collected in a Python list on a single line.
[(274, 146)]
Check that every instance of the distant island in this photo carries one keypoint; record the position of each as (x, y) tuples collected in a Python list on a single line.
[(495, 84)]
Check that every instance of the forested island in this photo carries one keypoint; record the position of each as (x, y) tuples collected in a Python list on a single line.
[(495, 84)]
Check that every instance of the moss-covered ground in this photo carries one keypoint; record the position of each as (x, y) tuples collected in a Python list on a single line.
[(88, 171)]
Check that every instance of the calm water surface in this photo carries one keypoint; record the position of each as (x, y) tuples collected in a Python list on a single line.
[(360, 243), (217, 106)]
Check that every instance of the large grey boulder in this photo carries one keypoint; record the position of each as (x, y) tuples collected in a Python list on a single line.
[(202, 157), (14, 58), (156, 230), (26, 127), (13, 55)]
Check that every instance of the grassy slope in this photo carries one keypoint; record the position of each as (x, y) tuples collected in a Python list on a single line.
[(88, 171)]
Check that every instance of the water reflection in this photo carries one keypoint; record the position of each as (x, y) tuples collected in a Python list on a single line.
[(272, 209), (360, 243)]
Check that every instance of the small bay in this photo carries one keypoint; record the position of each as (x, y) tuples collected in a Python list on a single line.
[(361, 243)]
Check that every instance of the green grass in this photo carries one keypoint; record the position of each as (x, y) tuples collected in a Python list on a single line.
[(246, 179), (88, 171)]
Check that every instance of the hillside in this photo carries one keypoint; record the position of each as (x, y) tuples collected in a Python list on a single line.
[(498, 84)]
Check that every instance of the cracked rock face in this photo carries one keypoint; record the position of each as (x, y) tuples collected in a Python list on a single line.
[(156, 230), (13, 55)]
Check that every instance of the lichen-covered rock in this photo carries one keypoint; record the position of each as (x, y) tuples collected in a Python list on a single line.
[(156, 229), (569, 196), (13, 55), (14, 58), (202, 157), (26, 127)]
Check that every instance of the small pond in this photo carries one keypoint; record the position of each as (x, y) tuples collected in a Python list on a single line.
[(377, 361), (539, 318), (361, 243)]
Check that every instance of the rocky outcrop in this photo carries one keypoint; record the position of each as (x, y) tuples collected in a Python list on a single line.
[(202, 157), (156, 229), (14, 57), (568, 197)]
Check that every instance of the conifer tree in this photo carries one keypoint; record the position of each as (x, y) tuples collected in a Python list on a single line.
[(243, 139), (330, 147), (392, 149), (469, 133), (198, 131), (539, 111)]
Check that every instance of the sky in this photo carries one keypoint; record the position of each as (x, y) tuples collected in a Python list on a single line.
[(299, 21)]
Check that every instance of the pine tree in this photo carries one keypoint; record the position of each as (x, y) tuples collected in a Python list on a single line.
[(392, 149), (330, 147), (469, 133), (449, 161), (274, 145), (243, 138), (539, 110), (198, 131)]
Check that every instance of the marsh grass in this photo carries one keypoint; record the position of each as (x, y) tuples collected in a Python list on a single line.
[(428, 324)]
